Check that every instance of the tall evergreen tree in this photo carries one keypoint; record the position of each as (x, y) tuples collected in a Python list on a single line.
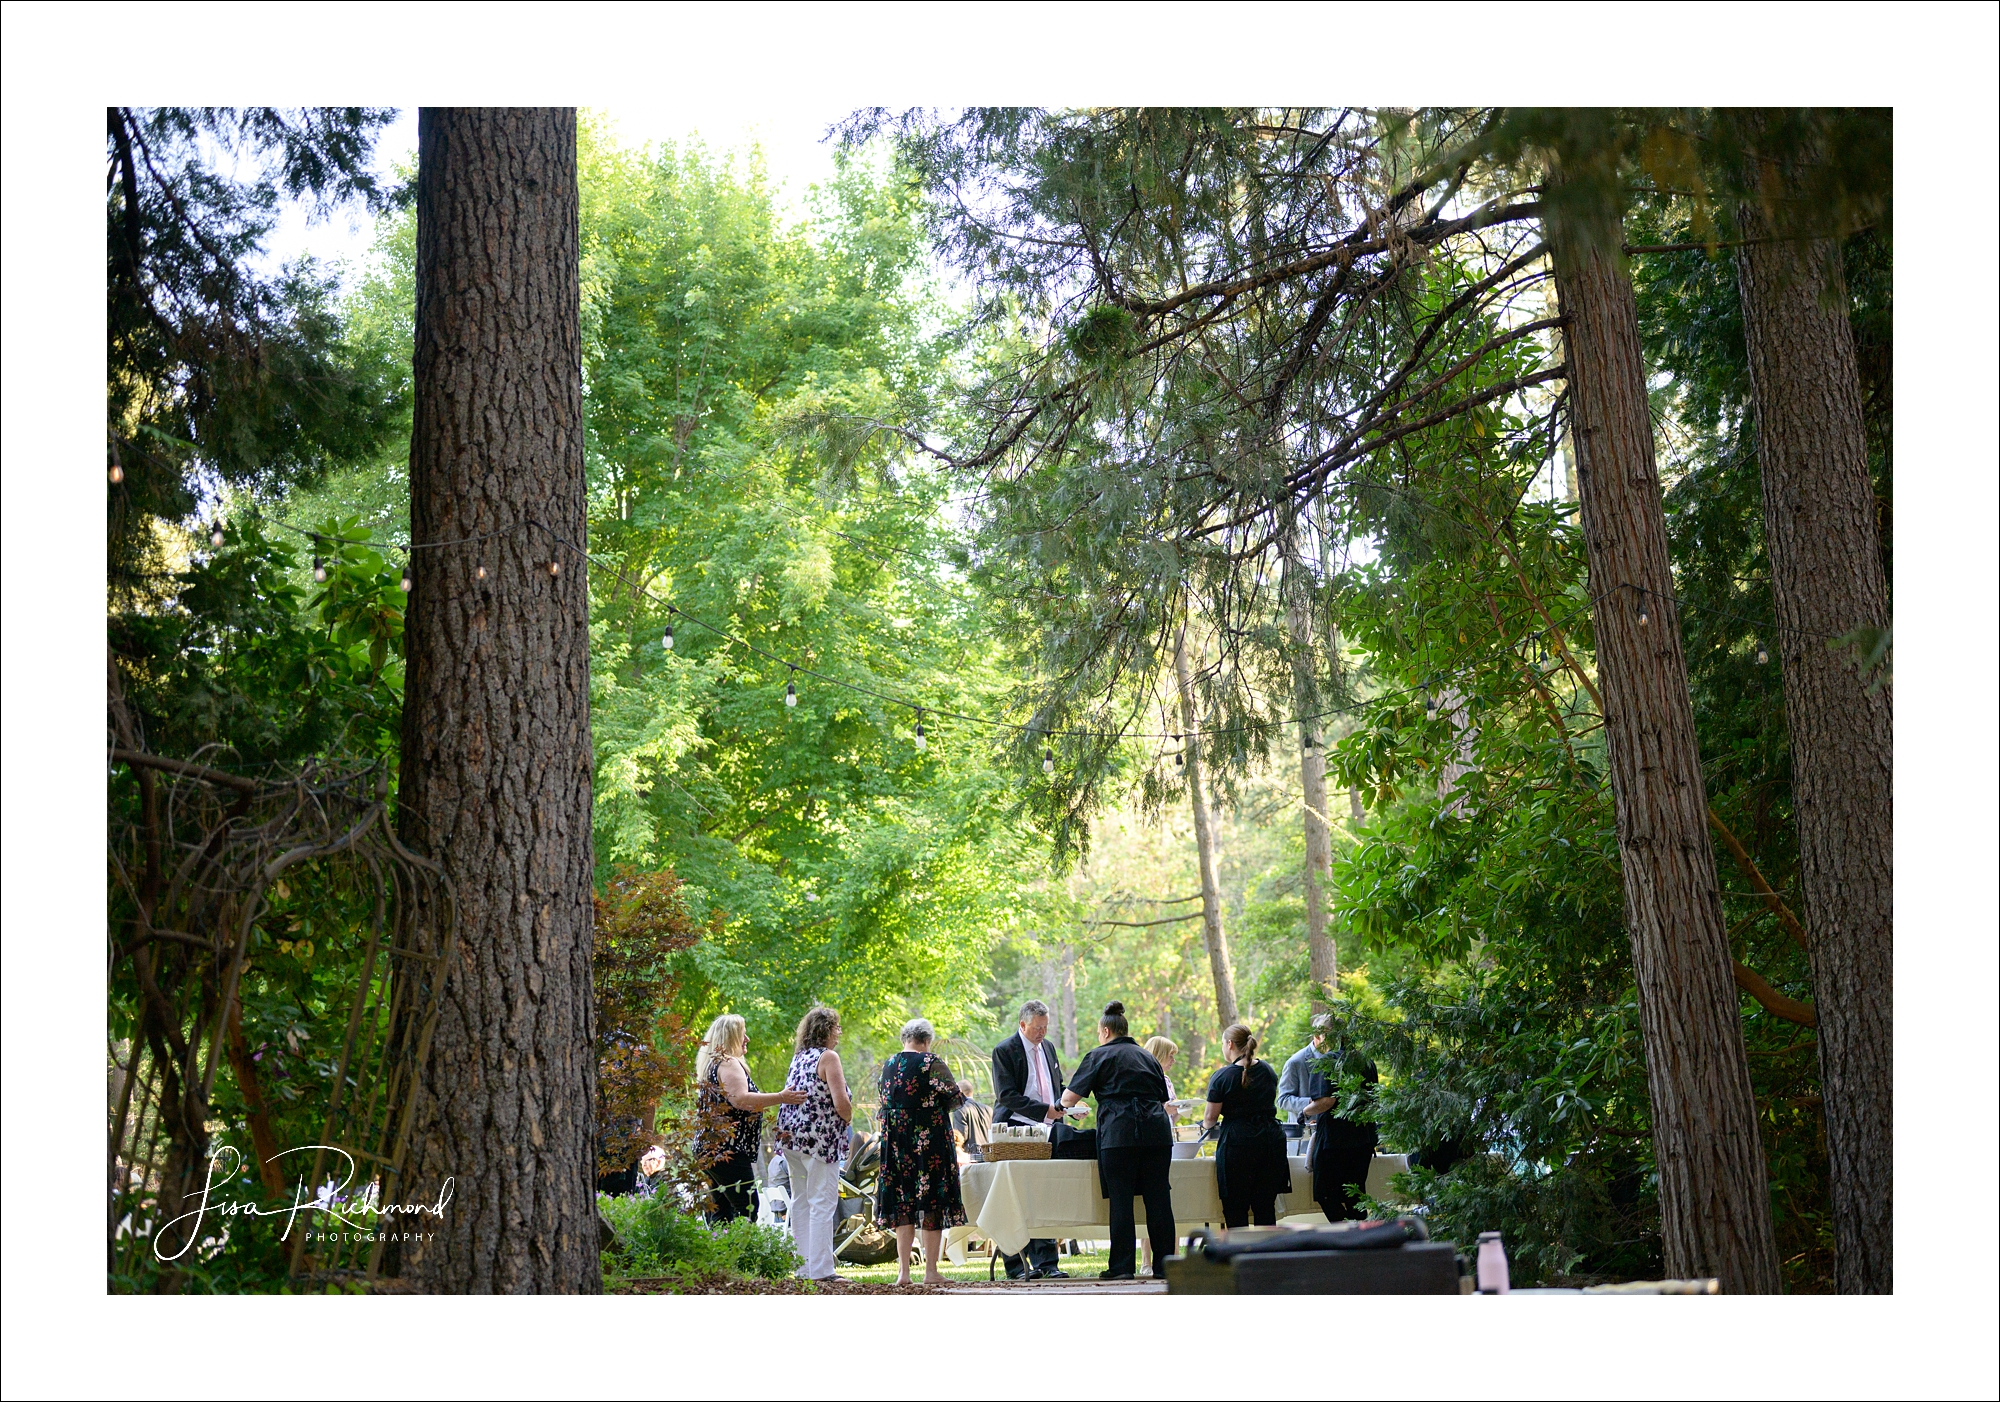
[(1830, 592), (1715, 1210), (496, 761)]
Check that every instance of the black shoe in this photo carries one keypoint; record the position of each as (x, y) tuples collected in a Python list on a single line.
[(1053, 1274), (1121, 1275)]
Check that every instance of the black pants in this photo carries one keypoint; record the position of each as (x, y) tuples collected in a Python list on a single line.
[(1337, 1180), (1238, 1211), (1039, 1255), (735, 1191), (1143, 1171)]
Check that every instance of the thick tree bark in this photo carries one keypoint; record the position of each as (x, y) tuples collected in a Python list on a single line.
[(1827, 580), (1204, 843), (1320, 951), (1715, 1214), (496, 723)]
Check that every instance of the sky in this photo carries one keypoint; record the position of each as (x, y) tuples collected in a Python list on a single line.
[(790, 135)]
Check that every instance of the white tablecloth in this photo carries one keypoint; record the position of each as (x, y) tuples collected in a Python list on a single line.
[(1014, 1202)]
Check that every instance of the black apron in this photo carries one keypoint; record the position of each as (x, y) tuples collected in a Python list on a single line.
[(1131, 1092)]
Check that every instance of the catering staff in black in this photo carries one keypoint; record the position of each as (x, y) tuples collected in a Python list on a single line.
[(1134, 1139), (1341, 1149), (1027, 1078), (1250, 1165)]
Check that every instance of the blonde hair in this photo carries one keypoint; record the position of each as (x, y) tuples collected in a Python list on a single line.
[(1157, 1045), (727, 1036)]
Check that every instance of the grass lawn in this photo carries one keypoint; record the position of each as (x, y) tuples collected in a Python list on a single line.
[(1088, 1264)]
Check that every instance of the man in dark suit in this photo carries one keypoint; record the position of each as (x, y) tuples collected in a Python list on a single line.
[(1027, 1089)]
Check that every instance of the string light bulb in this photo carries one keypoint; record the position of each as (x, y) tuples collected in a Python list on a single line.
[(406, 579), (117, 474), (791, 694), (667, 643), (1048, 760), (480, 573), (215, 534), (1762, 655), (555, 568), (1644, 617), (319, 570), (1307, 743), (921, 742)]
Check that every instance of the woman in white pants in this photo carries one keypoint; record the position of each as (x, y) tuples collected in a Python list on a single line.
[(814, 1138)]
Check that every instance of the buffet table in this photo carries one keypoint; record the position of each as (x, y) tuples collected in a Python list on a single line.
[(1012, 1203)]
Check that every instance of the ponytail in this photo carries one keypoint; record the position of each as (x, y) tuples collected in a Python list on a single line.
[(1236, 1038)]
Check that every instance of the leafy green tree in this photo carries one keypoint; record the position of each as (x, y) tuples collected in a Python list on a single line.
[(746, 499)]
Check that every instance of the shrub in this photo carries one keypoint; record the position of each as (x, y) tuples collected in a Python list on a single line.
[(661, 1237)]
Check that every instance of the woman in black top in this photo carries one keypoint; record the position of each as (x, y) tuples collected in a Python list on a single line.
[(1250, 1165), (1134, 1139)]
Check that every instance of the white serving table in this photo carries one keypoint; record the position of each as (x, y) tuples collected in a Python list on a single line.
[(1014, 1202)]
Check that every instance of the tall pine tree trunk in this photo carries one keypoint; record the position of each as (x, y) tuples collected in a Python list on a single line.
[(1715, 1215), (1320, 951), (1204, 843), (1827, 580), (496, 760)]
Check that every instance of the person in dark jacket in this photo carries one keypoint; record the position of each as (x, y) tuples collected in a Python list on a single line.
[(1027, 1084), (1134, 1140), (1250, 1164), (972, 1124), (1341, 1149)]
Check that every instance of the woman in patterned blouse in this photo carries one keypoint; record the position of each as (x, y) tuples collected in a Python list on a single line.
[(814, 1136), (918, 1188)]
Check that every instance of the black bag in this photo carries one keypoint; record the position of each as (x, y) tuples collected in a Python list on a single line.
[(1067, 1143), (1376, 1236)]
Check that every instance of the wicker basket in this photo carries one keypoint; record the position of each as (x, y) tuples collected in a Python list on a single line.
[(1001, 1150)]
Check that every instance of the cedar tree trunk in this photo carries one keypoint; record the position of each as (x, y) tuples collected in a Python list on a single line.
[(496, 760), (1826, 580), (1715, 1213), (1204, 844)]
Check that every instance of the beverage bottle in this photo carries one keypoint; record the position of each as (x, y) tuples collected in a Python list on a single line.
[(1490, 1266)]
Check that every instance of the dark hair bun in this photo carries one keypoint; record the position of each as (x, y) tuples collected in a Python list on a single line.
[(1114, 1010)]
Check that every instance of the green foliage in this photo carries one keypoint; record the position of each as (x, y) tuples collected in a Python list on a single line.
[(738, 376), (1288, 270), (218, 377), (238, 656), (660, 1237)]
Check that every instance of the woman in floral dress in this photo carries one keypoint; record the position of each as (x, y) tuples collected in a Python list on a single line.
[(918, 1189)]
